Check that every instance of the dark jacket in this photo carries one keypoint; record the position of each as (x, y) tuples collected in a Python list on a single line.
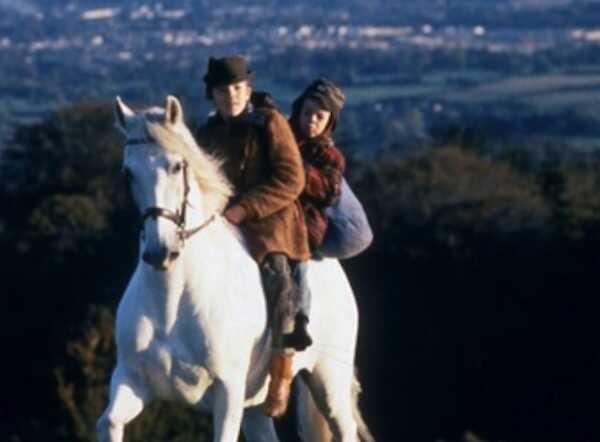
[(263, 163), (325, 166)]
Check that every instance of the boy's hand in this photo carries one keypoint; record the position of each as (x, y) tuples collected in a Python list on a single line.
[(235, 214)]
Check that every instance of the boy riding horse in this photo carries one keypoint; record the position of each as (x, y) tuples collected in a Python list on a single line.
[(263, 163)]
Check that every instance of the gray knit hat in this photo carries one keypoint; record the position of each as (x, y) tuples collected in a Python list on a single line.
[(327, 93)]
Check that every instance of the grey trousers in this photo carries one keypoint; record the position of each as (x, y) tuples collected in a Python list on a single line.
[(286, 290)]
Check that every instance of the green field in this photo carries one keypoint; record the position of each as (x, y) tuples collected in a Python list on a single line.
[(545, 93), (369, 94), (553, 91)]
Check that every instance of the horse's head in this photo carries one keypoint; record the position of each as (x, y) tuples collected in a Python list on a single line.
[(156, 165)]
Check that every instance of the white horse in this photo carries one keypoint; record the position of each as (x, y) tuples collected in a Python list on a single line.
[(192, 324)]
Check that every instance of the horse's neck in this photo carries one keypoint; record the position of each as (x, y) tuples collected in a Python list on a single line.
[(205, 251), (209, 257), (197, 277)]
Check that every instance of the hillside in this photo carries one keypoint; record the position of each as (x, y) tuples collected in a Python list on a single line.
[(476, 299)]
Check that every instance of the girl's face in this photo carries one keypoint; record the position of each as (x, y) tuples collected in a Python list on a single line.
[(231, 99), (313, 118)]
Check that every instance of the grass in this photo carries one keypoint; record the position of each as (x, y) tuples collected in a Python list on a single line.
[(477, 76), (369, 94), (558, 100), (561, 90)]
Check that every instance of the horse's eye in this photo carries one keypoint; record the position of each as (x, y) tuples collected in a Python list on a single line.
[(177, 167)]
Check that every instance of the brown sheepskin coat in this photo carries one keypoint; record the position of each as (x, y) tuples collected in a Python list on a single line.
[(263, 162)]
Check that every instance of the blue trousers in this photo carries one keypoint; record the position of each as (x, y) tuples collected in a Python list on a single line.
[(299, 274)]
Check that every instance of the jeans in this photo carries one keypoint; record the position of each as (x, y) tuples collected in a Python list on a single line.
[(299, 275)]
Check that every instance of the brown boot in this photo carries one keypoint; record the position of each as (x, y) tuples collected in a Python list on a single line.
[(279, 387)]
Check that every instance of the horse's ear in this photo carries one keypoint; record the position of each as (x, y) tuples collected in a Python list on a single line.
[(122, 113), (174, 111)]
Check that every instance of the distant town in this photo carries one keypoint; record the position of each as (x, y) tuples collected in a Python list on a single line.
[(145, 31), (56, 53)]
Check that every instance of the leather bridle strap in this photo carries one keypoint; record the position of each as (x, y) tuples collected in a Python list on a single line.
[(176, 217), (185, 234), (179, 217), (156, 212), (186, 191)]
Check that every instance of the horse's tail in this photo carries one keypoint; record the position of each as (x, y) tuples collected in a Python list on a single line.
[(313, 427)]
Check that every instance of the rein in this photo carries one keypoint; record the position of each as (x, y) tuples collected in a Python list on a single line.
[(179, 216)]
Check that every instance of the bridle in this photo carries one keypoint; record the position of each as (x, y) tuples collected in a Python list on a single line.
[(178, 217)]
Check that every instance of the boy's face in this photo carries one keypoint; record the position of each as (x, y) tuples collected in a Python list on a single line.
[(313, 118), (231, 99)]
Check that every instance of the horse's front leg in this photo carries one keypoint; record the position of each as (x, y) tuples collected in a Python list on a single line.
[(126, 402), (228, 409)]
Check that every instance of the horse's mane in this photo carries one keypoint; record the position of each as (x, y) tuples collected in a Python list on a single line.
[(206, 168)]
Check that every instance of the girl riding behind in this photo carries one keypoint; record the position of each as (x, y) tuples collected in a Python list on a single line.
[(314, 117), (339, 233)]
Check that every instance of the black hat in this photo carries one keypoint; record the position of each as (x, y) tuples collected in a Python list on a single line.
[(226, 70), (327, 94)]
